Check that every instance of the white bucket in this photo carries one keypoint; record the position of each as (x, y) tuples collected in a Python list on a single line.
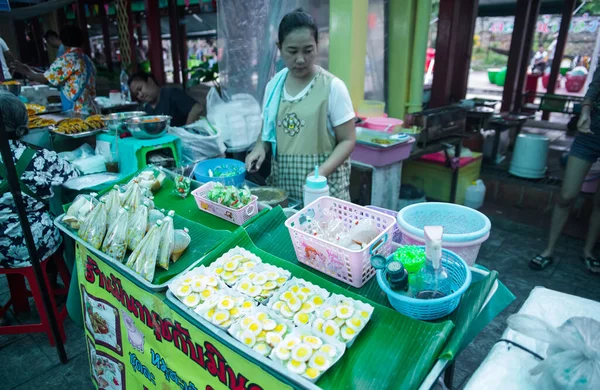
[(530, 156)]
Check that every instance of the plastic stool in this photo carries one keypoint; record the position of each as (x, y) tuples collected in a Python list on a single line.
[(19, 297), (142, 152)]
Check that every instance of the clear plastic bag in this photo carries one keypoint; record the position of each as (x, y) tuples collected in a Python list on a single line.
[(137, 226), (133, 197), (79, 210), (167, 239), (364, 232), (113, 203), (181, 240), (143, 258), (115, 242), (153, 216), (151, 178), (93, 228), (573, 354)]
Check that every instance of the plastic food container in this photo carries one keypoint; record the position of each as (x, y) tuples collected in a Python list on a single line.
[(382, 124), (224, 170), (237, 216), (465, 229), (379, 157), (351, 267)]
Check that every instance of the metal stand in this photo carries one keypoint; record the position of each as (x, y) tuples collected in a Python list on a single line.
[(15, 189)]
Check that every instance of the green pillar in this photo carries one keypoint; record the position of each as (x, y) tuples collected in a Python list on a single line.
[(348, 44)]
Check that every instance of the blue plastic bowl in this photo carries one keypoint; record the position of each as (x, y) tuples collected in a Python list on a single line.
[(224, 170), (432, 309)]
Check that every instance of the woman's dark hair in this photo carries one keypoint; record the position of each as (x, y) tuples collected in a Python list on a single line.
[(71, 36), (51, 34), (295, 20), (142, 76)]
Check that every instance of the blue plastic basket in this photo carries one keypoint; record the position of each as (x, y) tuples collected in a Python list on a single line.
[(432, 309), (222, 165)]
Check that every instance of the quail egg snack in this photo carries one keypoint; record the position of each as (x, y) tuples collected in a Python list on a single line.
[(225, 307), (234, 264), (196, 287), (298, 301), (306, 354), (262, 282), (342, 318), (261, 330)]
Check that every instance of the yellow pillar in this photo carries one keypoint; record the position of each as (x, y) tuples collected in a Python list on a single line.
[(348, 44)]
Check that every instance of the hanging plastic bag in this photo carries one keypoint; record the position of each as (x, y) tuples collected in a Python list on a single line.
[(199, 141), (137, 226), (573, 354), (167, 239), (143, 258), (153, 216), (132, 197), (115, 242), (93, 228), (113, 203), (181, 240), (79, 210)]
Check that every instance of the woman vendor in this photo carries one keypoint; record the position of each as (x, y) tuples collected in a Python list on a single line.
[(38, 171), (182, 109), (308, 117), (73, 74), (585, 151)]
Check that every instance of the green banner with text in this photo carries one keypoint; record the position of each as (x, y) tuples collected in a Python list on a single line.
[(135, 341)]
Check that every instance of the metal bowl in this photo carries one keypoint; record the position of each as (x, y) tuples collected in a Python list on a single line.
[(150, 126), (15, 89), (115, 121)]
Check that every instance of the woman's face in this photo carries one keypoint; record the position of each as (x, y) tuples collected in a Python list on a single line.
[(298, 51), (145, 91)]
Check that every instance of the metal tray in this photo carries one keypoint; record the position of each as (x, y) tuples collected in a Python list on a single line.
[(394, 139), (83, 134), (223, 336), (117, 264)]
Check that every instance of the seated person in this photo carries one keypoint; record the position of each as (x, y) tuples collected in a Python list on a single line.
[(38, 172), (164, 101)]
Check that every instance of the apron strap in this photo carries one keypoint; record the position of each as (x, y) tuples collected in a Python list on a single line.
[(20, 167)]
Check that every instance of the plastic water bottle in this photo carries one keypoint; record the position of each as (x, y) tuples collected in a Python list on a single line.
[(475, 194), (315, 187), (125, 96)]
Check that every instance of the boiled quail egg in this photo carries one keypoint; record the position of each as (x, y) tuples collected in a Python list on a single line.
[(211, 281), (220, 316), (273, 339), (329, 350), (355, 323), (255, 327), (184, 290), (244, 286), (329, 313), (286, 296), (250, 264), (234, 312), (347, 333), (339, 321), (271, 275), (192, 300), (295, 289), (302, 297), (269, 324), (306, 290), (262, 348), (317, 325), (226, 303), (280, 329), (290, 342), (262, 336), (296, 367), (198, 285), (364, 314), (259, 280), (227, 323), (331, 329), (251, 275), (317, 300), (247, 305), (307, 307), (320, 361), (282, 353), (344, 311), (281, 281), (301, 319), (206, 293), (210, 313), (231, 265), (219, 270), (262, 317), (311, 373), (302, 352), (187, 281), (248, 338), (254, 291), (285, 311), (270, 285), (313, 341), (239, 271), (295, 304), (246, 322), (228, 276)]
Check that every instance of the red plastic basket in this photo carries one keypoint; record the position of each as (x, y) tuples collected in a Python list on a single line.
[(237, 216), (351, 267)]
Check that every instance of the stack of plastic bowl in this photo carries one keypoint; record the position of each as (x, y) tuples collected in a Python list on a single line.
[(530, 156), (465, 229), (223, 170)]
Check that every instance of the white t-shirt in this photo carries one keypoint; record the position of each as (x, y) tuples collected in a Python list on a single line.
[(3, 48), (340, 108)]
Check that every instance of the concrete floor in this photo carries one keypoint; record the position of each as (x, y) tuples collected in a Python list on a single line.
[(29, 362)]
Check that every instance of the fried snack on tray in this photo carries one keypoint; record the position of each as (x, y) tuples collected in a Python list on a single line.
[(72, 126), (33, 109), (37, 122), (95, 122), (11, 82)]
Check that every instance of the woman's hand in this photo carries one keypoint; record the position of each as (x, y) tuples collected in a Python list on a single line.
[(20, 67), (256, 158), (583, 125)]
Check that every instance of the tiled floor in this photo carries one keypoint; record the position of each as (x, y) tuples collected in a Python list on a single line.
[(29, 362)]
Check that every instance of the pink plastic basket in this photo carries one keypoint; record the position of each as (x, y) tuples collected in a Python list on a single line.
[(237, 216), (379, 157), (351, 267)]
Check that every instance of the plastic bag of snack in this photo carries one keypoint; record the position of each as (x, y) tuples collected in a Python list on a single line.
[(136, 226), (364, 232), (79, 210), (153, 216), (113, 203), (181, 241), (167, 238), (150, 201), (151, 178), (115, 242), (93, 228), (133, 197), (182, 186), (143, 258)]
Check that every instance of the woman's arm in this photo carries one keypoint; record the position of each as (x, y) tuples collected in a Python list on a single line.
[(195, 113), (345, 135), (26, 71)]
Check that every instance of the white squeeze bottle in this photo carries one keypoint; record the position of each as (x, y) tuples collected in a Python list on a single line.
[(315, 187)]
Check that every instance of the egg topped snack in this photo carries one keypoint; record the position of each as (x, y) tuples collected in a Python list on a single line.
[(225, 307), (342, 318), (196, 286), (298, 301), (262, 282), (304, 353), (234, 264), (261, 330)]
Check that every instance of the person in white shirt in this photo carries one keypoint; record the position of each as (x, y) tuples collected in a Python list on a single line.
[(6, 58), (308, 118)]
